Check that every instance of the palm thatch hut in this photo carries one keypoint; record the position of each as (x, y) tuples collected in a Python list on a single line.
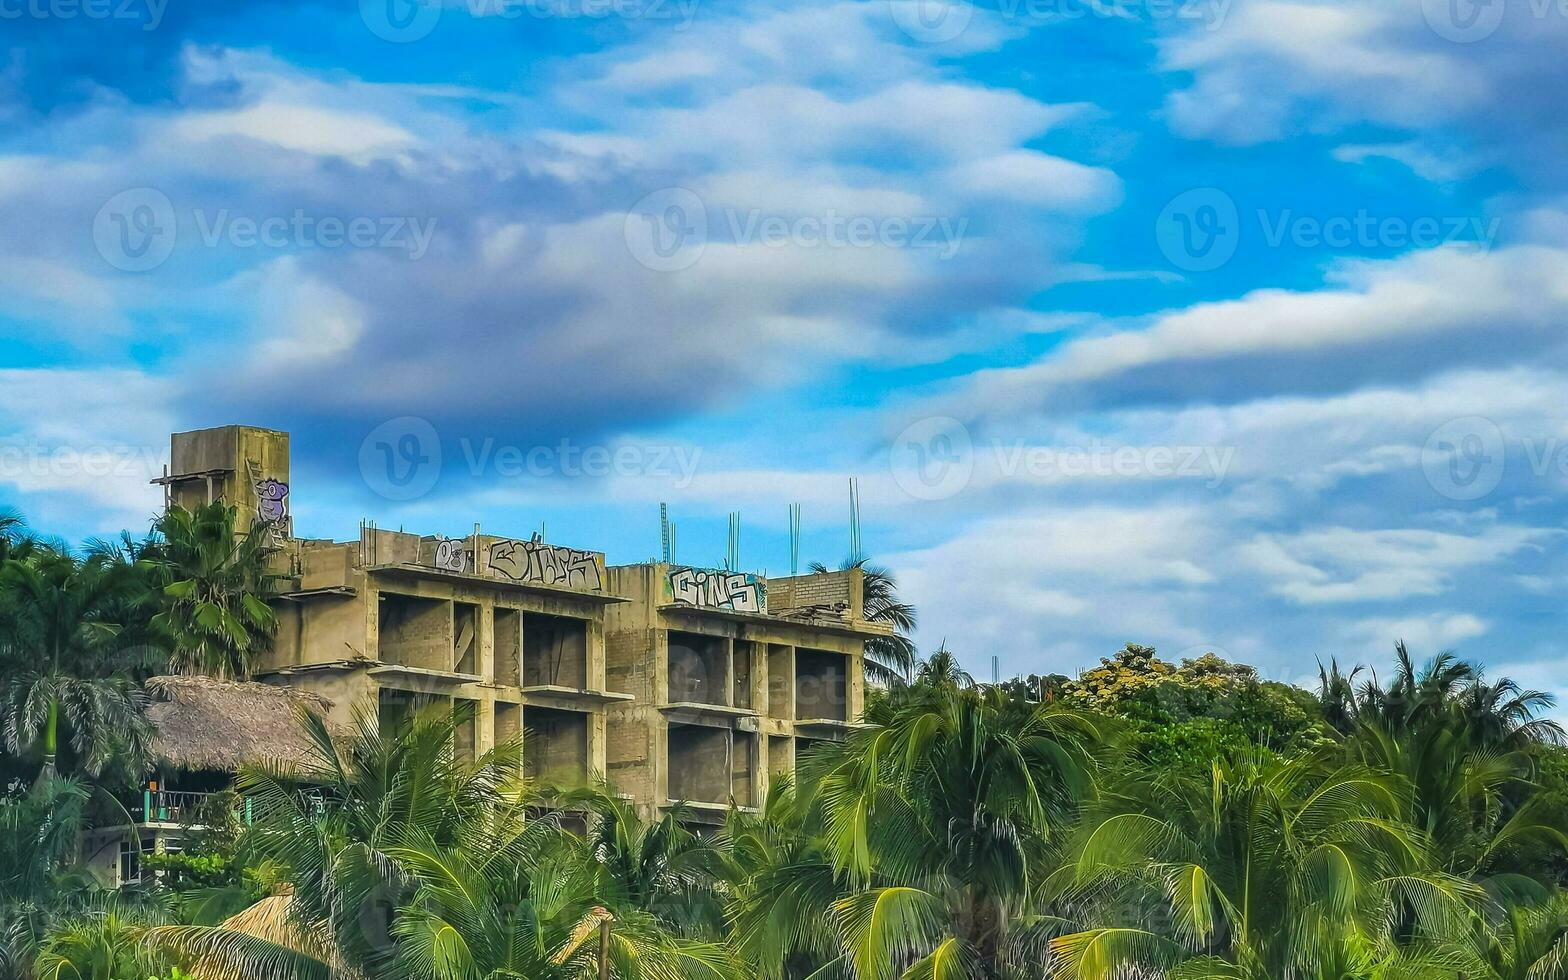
[(205, 731), (209, 725)]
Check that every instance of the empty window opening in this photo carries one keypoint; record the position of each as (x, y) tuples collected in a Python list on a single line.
[(821, 685), (508, 647), (743, 766), (508, 723), (781, 681), (465, 642), (745, 655), (806, 747), (465, 716), (699, 668), (415, 632), (555, 651), (781, 755), (700, 764), (555, 745)]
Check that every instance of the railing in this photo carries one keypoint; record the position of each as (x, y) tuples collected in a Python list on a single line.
[(177, 806)]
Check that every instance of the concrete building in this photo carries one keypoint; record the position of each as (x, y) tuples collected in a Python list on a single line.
[(673, 683)]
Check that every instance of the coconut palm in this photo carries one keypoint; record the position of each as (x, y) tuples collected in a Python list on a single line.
[(66, 661), (888, 658), (103, 943), (661, 867), (1268, 868), (215, 584), (409, 861), (931, 835), (38, 836), (1528, 942)]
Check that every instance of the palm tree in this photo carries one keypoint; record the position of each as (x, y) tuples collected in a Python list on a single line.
[(931, 834), (215, 584), (14, 540), (407, 860), (662, 868), (104, 943), (38, 836), (1529, 943), (65, 660), (888, 658), (1266, 869)]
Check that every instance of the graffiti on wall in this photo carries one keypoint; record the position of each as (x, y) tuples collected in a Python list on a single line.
[(536, 563), (272, 500), (717, 589), (451, 556)]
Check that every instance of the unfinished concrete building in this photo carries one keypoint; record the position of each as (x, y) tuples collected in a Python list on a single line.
[(675, 684), (731, 676)]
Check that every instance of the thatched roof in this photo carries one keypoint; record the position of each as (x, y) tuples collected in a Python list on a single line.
[(210, 955), (205, 723)]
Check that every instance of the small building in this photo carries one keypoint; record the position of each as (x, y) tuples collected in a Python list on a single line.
[(205, 731)]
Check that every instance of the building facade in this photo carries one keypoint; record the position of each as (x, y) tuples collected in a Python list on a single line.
[(672, 683)]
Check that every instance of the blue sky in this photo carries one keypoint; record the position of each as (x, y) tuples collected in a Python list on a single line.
[(1209, 324)]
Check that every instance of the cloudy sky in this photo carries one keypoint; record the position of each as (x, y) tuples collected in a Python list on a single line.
[(1208, 324)]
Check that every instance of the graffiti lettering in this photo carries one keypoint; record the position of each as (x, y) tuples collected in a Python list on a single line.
[(537, 563), (737, 591)]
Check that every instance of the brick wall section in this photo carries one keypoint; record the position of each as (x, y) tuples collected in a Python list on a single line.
[(808, 590)]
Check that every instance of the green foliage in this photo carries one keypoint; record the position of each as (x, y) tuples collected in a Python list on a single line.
[(1189, 715), (214, 587), (66, 695)]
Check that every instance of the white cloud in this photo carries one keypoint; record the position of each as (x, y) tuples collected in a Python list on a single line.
[(354, 136), (1426, 635), (1339, 564), (1516, 293), (1039, 179), (84, 442)]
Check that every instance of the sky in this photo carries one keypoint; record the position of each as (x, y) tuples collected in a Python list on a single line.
[(1213, 325)]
